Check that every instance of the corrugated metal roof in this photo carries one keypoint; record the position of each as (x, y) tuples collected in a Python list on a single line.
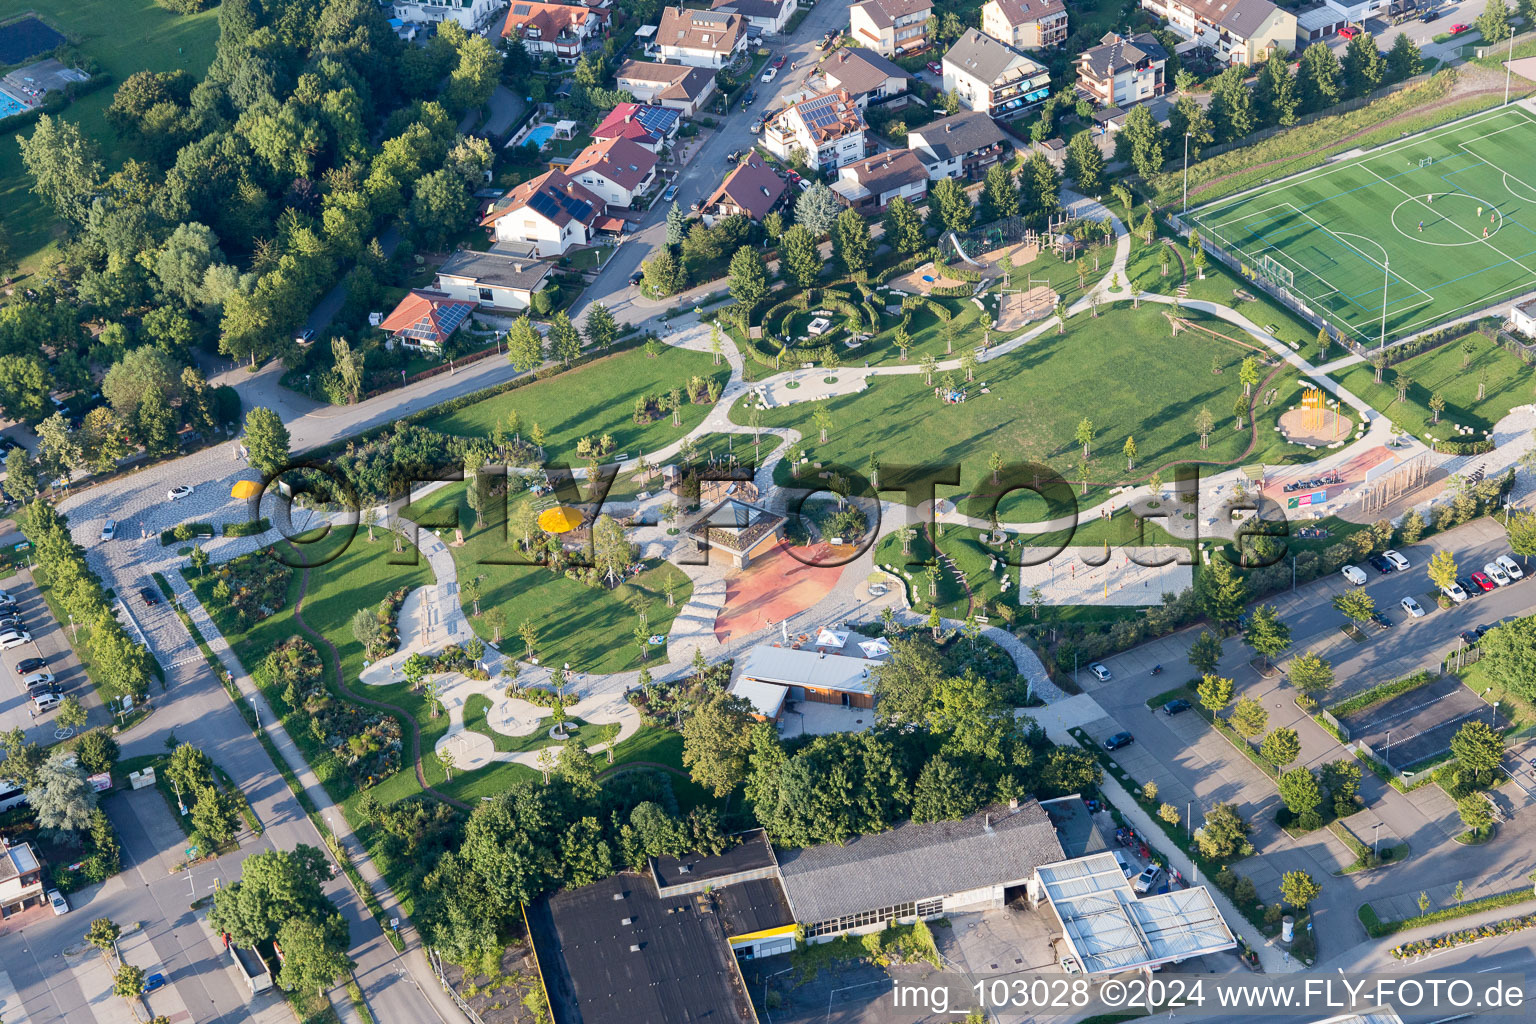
[(789, 667)]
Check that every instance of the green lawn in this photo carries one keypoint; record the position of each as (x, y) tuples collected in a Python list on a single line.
[(1451, 210), (1440, 370), (125, 36), (478, 705), (597, 398), (589, 627), (1122, 371)]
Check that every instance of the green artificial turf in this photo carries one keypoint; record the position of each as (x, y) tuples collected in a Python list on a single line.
[(1412, 205)]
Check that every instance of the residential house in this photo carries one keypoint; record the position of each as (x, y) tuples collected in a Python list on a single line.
[(752, 189), (559, 29), (961, 146), (1239, 31), (994, 78), (1025, 24), (21, 878), (642, 124), (473, 15), (547, 215), (425, 320), (1122, 70), (491, 279), (864, 75), (674, 86), (827, 128), (1357, 11), (616, 170), (892, 28), (701, 39), (869, 185), (766, 17)]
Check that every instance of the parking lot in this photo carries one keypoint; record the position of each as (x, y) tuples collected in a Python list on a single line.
[(51, 643), (1419, 724)]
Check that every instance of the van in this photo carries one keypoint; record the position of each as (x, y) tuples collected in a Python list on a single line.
[(45, 702), (1354, 574), (43, 678)]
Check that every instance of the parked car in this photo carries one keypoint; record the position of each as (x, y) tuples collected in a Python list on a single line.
[(26, 666), (1399, 563), (1100, 671), (1125, 865), (109, 529), (154, 981), (41, 688), (177, 493), (1510, 567), (778, 61), (1482, 631), (1468, 636), (636, 277), (1118, 740), (12, 622), (1354, 574), (670, 194), (749, 99), (1148, 879), (1412, 607), (1381, 565), (40, 678), (1458, 28), (1176, 707), (305, 337), (14, 638), (1465, 583), (148, 596), (769, 72), (1348, 32), (45, 702), (1483, 580), (1496, 573), (1381, 620), (935, 68), (1454, 592), (57, 901), (1429, 16)]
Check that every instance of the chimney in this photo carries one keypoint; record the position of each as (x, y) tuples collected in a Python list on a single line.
[(987, 825), (948, 128), (1013, 804)]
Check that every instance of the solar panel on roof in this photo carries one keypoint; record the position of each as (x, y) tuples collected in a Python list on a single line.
[(449, 317), (521, 9), (541, 203)]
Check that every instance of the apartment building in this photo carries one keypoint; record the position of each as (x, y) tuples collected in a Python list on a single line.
[(892, 28), (1025, 24), (1122, 70), (1239, 31), (993, 78)]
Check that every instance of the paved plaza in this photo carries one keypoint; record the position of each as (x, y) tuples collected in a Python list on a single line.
[(1127, 576)]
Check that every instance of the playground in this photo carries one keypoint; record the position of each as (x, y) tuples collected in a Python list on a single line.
[(1123, 577), (1317, 421), (924, 280), (1015, 309)]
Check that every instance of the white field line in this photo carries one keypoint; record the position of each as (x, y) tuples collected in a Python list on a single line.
[(1467, 231)]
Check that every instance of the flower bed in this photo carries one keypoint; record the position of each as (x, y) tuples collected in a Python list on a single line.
[(185, 532), (1466, 936), (252, 586)]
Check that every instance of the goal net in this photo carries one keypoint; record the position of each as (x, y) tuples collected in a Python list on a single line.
[(1426, 161), (1275, 271)]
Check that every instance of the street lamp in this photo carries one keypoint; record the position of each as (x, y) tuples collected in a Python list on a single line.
[(1185, 208), (1386, 276), (1507, 62), (1376, 841), (1388, 753)]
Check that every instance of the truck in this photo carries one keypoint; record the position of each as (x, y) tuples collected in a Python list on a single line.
[(251, 966)]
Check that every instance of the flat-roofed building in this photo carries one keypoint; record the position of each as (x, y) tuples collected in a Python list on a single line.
[(21, 878)]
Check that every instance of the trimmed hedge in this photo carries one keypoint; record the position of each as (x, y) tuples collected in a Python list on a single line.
[(1381, 693), (1377, 928)]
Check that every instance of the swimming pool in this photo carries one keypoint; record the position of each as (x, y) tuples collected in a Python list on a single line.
[(10, 105), (540, 135)]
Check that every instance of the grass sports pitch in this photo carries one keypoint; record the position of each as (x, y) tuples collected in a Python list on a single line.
[(1445, 219)]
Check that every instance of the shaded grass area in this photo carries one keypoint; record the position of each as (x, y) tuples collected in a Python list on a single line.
[(594, 399), (590, 627)]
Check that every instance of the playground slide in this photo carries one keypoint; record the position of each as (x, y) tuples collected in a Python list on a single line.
[(955, 241)]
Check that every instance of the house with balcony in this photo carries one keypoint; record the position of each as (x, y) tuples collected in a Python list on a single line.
[(545, 216), (752, 189), (869, 185), (616, 171), (700, 39), (993, 78), (472, 15), (765, 17), (1122, 70), (864, 75), (829, 129), (1025, 24), (961, 146), (892, 28), (558, 29), (1239, 31), (677, 87), (493, 280), (21, 878)]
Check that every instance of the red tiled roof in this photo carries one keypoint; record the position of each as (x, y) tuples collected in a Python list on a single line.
[(620, 160), (549, 19), (554, 196), (427, 317), (753, 186)]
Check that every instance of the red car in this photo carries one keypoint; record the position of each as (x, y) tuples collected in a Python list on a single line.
[(1349, 31), (778, 61), (1482, 580), (1458, 28), (934, 67)]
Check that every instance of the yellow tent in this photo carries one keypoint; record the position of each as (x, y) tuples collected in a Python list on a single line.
[(244, 489), (559, 519)]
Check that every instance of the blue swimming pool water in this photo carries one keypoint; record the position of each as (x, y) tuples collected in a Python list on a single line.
[(10, 105), (540, 135)]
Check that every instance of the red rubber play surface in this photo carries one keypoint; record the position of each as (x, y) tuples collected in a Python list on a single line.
[(774, 587)]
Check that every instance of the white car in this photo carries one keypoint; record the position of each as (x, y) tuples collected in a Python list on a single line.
[(42, 703), (1125, 866), (1398, 561), (177, 493), (14, 638), (109, 529), (57, 901), (43, 678), (1100, 671), (1412, 608), (1511, 567), (1354, 574), (769, 73), (1148, 879), (1454, 592), (1495, 572)]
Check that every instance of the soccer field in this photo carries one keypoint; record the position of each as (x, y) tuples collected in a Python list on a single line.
[(1442, 223)]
